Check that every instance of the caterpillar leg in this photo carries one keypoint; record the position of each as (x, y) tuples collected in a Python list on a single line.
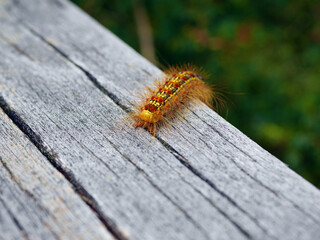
[(138, 124), (151, 127)]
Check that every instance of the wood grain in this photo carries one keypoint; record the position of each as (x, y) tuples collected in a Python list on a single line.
[(66, 82), (36, 200)]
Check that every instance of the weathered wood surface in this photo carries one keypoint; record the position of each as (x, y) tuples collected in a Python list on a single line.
[(36, 200), (64, 81)]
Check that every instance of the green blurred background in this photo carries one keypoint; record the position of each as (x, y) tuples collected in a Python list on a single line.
[(265, 54)]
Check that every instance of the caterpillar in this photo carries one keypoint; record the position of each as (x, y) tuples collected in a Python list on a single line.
[(178, 87)]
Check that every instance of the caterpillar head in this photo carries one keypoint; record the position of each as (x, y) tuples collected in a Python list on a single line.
[(150, 117)]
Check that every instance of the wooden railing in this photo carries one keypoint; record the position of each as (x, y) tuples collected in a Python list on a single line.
[(68, 172)]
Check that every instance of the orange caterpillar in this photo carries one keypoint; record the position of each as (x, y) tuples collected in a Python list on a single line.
[(177, 88)]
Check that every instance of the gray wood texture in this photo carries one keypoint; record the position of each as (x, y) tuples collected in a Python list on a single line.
[(64, 82), (36, 200)]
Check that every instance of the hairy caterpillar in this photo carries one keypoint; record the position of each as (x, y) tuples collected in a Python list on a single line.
[(178, 87)]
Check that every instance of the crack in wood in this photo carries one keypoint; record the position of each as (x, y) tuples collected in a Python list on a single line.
[(148, 178), (186, 163), (14, 179), (84, 147), (52, 157), (92, 78), (243, 231), (249, 175), (15, 46), (20, 187), (15, 220)]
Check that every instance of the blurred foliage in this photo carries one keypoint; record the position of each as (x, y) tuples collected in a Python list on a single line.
[(265, 53)]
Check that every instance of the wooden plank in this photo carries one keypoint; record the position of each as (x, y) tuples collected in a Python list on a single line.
[(224, 185), (70, 119), (36, 201)]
